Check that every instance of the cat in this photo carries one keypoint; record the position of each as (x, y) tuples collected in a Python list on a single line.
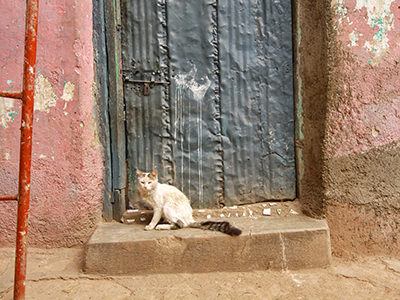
[(170, 203)]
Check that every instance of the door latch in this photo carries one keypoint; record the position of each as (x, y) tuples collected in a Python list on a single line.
[(147, 84)]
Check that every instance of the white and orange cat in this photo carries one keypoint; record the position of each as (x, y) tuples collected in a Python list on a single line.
[(170, 203)]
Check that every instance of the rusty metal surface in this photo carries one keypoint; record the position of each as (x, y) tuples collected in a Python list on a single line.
[(223, 131), (14, 95), (24, 186), (26, 147), (8, 197)]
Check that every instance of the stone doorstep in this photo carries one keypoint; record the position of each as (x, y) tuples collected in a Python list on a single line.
[(270, 209), (286, 243)]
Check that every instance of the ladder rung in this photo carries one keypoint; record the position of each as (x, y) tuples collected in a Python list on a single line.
[(8, 197), (14, 95)]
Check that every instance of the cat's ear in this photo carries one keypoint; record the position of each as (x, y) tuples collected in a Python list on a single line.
[(154, 174), (139, 173)]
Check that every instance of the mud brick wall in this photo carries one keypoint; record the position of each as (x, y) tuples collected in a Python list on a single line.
[(349, 74)]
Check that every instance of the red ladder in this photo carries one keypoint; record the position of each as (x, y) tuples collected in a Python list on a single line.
[(24, 185)]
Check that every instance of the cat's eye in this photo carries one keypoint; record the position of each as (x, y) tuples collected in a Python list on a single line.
[(142, 182)]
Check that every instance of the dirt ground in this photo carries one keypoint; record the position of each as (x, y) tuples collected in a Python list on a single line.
[(55, 274)]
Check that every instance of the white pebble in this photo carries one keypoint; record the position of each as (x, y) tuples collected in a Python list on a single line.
[(273, 204), (250, 212), (208, 216), (201, 210), (222, 215), (229, 214), (293, 212), (237, 215), (142, 219), (244, 214), (279, 211), (130, 220), (267, 212), (132, 210), (233, 207), (142, 212), (264, 205)]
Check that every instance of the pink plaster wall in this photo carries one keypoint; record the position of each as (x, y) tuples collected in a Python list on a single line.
[(361, 177), (67, 163), (365, 111)]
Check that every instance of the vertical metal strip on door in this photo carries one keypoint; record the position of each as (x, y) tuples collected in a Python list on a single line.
[(257, 100), (144, 52), (195, 110)]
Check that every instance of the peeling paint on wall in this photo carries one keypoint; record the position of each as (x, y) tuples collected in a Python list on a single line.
[(380, 18), (7, 111), (366, 106), (353, 36), (67, 189), (371, 19), (68, 92), (341, 11), (45, 96)]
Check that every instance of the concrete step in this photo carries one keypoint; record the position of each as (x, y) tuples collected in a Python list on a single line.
[(294, 242)]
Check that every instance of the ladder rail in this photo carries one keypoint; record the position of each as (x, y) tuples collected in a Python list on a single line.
[(14, 95), (24, 185), (8, 197)]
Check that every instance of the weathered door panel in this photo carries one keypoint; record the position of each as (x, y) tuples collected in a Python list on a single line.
[(222, 131), (195, 128), (144, 54), (257, 100)]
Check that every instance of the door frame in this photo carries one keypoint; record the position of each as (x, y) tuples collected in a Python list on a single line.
[(111, 106), (110, 103)]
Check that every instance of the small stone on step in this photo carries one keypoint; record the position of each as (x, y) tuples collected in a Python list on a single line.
[(266, 212)]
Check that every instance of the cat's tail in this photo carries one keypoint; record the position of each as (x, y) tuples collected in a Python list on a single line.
[(222, 226)]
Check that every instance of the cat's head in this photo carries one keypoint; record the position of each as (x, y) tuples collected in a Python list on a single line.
[(147, 181)]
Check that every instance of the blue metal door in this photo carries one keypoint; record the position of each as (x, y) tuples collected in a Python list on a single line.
[(208, 89)]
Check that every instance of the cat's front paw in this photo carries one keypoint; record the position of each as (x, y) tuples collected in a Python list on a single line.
[(149, 227)]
